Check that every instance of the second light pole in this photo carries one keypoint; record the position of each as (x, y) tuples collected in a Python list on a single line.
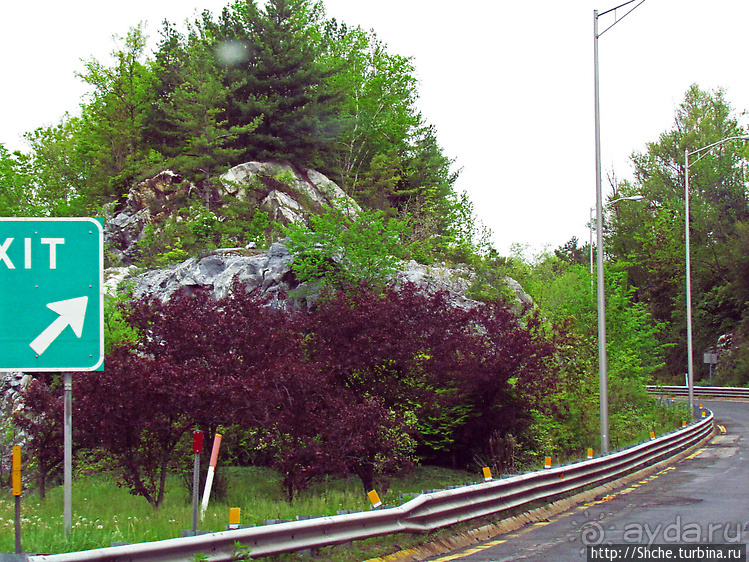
[(690, 354)]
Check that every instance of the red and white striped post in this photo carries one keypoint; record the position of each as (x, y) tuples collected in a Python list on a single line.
[(209, 476)]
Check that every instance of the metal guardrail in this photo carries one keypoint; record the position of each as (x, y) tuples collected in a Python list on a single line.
[(424, 513), (717, 391)]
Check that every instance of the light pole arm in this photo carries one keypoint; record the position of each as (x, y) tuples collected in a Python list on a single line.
[(707, 148)]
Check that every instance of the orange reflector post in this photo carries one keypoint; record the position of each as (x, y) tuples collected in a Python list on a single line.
[(590, 453), (683, 423), (16, 470), (652, 435), (487, 473), (547, 462)]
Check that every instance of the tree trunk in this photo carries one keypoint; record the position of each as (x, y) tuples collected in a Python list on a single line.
[(365, 472), (42, 483)]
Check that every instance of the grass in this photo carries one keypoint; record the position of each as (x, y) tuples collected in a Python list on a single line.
[(104, 514)]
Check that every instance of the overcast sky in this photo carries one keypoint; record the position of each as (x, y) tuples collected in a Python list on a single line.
[(508, 85)]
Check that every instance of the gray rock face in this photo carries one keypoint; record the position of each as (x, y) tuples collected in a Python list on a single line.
[(456, 281), (270, 273)]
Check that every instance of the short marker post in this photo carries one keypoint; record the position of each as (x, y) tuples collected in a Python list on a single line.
[(487, 473), (234, 517), (683, 423), (547, 462), (652, 435), (374, 499), (590, 453), (209, 476)]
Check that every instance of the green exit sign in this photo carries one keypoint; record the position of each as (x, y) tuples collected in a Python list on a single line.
[(51, 294)]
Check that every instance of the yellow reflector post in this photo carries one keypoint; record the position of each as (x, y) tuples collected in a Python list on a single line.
[(374, 499), (234, 515)]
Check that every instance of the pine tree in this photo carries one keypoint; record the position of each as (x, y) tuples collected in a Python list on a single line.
[(283, 83), (195, 111)]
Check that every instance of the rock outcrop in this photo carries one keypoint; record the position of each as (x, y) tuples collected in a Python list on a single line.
[(289, 195), (270, 273)]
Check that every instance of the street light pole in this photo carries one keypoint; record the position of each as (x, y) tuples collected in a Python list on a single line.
[(690, 353), (603, 396), (602, 367)]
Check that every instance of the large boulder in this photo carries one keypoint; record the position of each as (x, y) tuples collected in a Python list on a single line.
[(289, 194)]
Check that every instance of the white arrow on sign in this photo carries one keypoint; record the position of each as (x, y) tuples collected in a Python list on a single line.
[(72, 313)]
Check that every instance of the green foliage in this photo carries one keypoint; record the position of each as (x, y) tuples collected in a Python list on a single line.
[(377, 110), (342, 251), (114, 119), (16, 195), (116, 328), (193, 229)]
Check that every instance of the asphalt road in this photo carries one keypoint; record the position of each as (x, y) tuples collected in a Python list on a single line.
[(702, 499)]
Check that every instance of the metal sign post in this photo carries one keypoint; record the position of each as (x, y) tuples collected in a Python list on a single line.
[(197, 448)]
